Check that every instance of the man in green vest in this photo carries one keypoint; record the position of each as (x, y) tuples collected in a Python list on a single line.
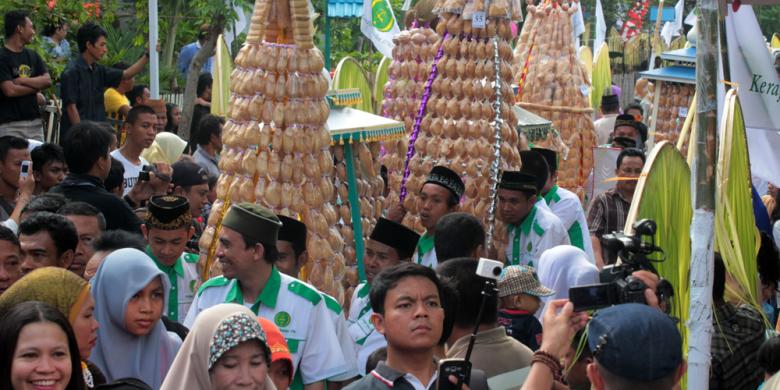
[(247, 253), (566, 205), (167, 228)]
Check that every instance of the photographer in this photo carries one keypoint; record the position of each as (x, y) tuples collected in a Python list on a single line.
[(408, 310), (494, 352)]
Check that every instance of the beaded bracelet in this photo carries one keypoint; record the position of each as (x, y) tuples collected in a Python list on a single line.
[(550, 361)]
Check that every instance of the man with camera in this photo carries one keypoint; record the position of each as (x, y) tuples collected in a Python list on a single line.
[(139, 127), (609, 210), (494, 352), (408, 309), (531, 228)]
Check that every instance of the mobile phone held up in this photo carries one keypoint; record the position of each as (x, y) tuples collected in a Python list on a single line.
[(25, 171), (460, 368)]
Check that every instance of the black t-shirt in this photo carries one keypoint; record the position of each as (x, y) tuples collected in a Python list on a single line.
[(13, 65), (85, 85)]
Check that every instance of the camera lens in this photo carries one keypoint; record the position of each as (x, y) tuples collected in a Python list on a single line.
[(497, 271)]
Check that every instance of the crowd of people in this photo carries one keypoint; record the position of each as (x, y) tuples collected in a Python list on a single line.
[(101, 284)]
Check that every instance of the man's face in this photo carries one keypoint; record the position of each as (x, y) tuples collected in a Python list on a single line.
[(216, 141), (52, 173), (61, 32), (378, 257), (197, 196), (167, 245), (576, 371), (142, 132), (432, 204), (98, 49), (162, 121), (39, 250), (635, 113), (233, 255), (12, 166), (10, 265), (88, 229), (27, 31), (288, 263), (630, 167), (514, 206), (626, 132), (414, 317)]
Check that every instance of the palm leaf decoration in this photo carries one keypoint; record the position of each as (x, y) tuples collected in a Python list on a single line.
[(663, 194), (349, 74), (380, 80), (601, 78), (736, 236)]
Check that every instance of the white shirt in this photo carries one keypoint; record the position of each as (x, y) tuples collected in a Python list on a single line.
[(131, 170), (567, 207), (297, 309), (541, 230), (348, 351), (361, 330), (604, 128), (184, 280)]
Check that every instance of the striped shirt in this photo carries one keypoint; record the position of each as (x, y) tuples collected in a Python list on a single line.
[(608, 214)]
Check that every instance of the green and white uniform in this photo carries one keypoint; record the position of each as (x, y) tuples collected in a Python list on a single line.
[(297, 309), (567, 207), (184, 278), (361, 329), (539, 231), (425, 253)]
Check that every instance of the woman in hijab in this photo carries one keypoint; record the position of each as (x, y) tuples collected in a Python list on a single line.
[(72, 298), (130, 295), (562, 267), (226, 347), (167, 148)]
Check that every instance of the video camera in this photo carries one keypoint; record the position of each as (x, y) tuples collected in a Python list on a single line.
[(618, 285)]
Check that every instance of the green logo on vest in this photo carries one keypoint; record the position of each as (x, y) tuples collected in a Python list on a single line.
[(282, 319), (381, 15), (192, 285)]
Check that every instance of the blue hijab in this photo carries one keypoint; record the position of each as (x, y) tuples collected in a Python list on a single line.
[(118, 353)]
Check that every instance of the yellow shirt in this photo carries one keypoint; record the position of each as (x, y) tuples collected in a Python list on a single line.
[(113, 100)]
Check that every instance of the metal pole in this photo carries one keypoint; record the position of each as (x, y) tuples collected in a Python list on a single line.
[(703, 224), (327, 37), (154, 56)]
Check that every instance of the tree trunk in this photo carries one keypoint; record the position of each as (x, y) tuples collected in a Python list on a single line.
[(703, 224), (170, 36), (206, 51)]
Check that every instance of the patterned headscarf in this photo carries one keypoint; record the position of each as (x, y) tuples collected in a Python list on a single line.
[(216, 331), (55, 286)]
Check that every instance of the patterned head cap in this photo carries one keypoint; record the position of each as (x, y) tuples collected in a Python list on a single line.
[(231, 332)]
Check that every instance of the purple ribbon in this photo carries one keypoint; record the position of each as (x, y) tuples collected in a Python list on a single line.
[(418, 118)]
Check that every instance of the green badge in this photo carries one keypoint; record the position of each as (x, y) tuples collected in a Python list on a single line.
[(381, 15), (530, 246), (282, 319), (192, 285)]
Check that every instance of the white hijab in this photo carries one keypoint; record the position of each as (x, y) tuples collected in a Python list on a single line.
[(563, 267)]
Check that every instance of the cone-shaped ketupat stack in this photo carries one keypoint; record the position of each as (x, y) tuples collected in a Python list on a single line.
[(553, 84), (276, 147), (412, 58), (457, 127)]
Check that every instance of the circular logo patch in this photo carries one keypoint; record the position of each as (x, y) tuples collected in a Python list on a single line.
[(282, 319), (381, 15)]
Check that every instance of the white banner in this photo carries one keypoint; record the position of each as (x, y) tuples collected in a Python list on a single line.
[(759, 91), (378, 24), (601, 28)]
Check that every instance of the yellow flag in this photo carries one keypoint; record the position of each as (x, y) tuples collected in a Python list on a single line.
[(220, 91)]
